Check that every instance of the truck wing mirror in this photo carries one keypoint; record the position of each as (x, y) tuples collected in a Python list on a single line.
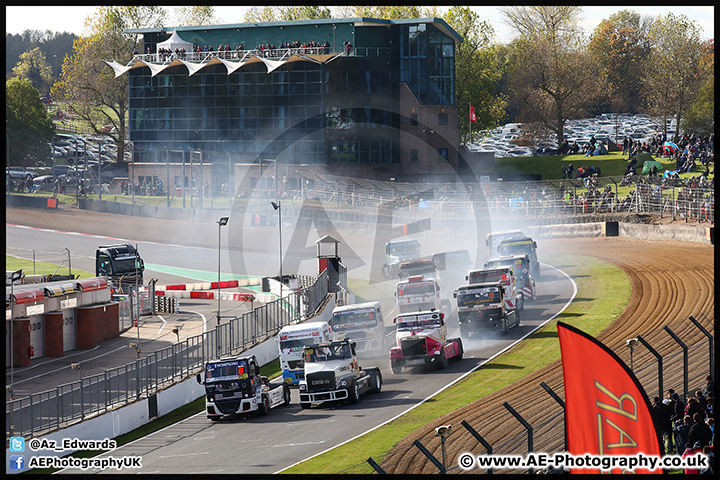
[(199, 379), (534, 244), (466, 277), (455, 294)]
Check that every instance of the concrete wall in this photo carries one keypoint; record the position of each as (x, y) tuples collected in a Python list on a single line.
[(680, 233)]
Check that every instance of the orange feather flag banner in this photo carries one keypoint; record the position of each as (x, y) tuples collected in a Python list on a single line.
[(607, 412)]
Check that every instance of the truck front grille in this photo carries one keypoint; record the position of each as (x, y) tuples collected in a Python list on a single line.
[(320, 381), (295, 364), (412, 346)]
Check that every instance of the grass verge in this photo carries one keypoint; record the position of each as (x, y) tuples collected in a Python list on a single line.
[(13, 264), (604, 290)]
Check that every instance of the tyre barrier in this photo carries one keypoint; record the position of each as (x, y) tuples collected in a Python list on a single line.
[(167, 304)]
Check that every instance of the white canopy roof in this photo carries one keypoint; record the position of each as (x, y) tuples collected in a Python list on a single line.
[(175, 42)]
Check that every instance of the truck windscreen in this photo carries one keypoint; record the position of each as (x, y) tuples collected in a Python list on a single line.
[(356, 318), (234, 370), (487, 277), (406, 289), (299, 344), (469, 297), (513, 248), (414, 324), (126, 265), (417, 269), (403, 249), (327, 353)]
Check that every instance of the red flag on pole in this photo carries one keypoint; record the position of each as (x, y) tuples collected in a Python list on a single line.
[(607, 412), (472, 114)]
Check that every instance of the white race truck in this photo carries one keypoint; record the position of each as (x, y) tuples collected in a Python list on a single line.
[(293, 339), (362, 323), (397, 252), (514, 298), (421, 339), (233, 385), (522, 245), (418, 293), (481, 306), (332, 373)]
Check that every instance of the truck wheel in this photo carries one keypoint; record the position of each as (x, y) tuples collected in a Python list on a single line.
[(264, 406), (354, 393), (517, 319), (304, 405), (395, 366), (443, 360), (376, 382), (286, 395)]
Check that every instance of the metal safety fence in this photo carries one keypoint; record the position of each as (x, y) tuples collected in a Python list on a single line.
[(47, 411)]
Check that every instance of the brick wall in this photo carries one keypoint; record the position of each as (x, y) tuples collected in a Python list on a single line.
[(21, 342), (54, 334), (97, 323)]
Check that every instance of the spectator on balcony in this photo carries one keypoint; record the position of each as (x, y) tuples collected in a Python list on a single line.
[(348, 47)]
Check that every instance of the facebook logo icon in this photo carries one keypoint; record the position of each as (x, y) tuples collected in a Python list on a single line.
[(17, 462)]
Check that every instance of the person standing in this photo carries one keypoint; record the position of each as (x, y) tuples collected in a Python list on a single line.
[(700, 432)]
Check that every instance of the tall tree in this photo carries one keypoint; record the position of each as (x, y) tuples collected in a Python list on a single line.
[(550, 70), (700, 116), (29, 129), (619, 48), (478, 68), (35, 68), (674, 73), (89, 84)]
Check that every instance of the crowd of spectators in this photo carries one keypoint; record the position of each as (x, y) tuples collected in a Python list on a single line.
[(265, 50)]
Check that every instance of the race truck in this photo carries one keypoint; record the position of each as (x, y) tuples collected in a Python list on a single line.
[(420, 266), (234, 385), (421, 339), (332, 373), (521, 267), (293, 339), (493, 239), (481, 305), (506, 276), (362, 323), (452, 266), (397, 252), (417, 293), (121, 264), (521, 245)]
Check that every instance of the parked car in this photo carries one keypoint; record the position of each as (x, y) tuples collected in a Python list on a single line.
[(16, 173), (44, 182)]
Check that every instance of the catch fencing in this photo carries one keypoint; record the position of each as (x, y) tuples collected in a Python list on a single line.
[(682, 367), (47, 411)]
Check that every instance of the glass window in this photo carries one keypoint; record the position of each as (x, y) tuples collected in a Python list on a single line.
[(413, 120), (414, 155), (442, 119), (443, 154)]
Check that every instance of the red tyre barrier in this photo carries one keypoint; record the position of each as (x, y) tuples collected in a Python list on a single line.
[(160, 293)]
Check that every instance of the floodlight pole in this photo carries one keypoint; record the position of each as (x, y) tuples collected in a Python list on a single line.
[(221, 223)]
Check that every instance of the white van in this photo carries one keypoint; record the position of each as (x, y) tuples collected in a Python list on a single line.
[(293, 339)]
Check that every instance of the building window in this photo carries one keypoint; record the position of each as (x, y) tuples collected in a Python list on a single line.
[(414, 155), (442, 119), (413, 120), (443, 154)]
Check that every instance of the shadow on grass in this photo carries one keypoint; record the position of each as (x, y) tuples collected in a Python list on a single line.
[(502, 366), (548, 334)]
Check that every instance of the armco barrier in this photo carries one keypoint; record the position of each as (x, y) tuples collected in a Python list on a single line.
[(680, 233)]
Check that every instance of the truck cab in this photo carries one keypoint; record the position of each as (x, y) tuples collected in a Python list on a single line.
[(521, 268), (521, 245), (332, 373), (482, 306), (397, 252), (362, 323), (418, 293), (233, 385), (293, 339), (421, 339), (514, 299), (493, 239), (120, 263)]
